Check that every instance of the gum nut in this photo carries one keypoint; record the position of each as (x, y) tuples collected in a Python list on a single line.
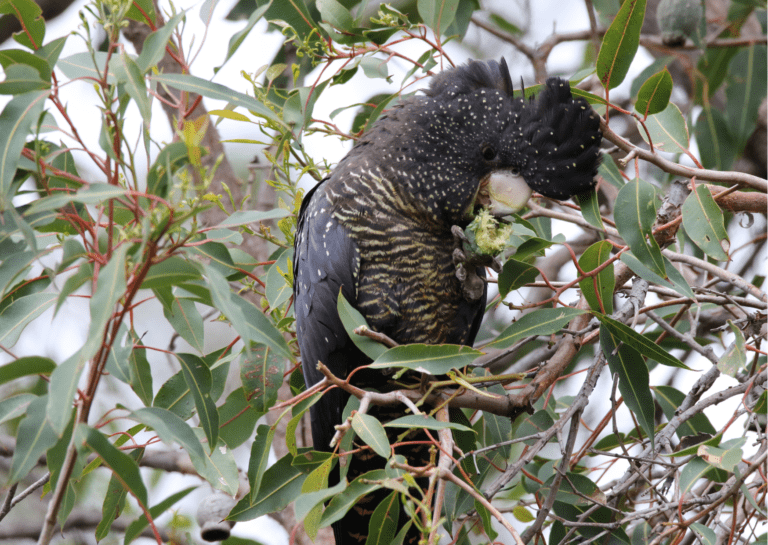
[(210, 516)]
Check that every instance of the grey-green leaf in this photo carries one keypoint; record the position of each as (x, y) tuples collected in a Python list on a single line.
[(352, 319), (123, 466), (543, 321), (642, 344), (598, 289), (370, 430), (704, 225), (16, 316), (435, 359), (35, 436), (636, 206), (620, 44), (668, 129), (628, 364), (423, 421), (16, 121), (198, 378), (438, 14), (192, 84)]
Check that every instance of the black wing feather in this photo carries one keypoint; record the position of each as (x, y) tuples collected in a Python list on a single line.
[(323, 265)]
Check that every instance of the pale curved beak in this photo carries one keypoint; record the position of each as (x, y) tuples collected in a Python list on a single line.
[(507, 192)]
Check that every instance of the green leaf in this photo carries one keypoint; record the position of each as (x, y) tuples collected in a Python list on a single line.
[(14, 268), (139, 371), (670, 399), (21, 78), (20, 57), (187, 321), (170, 428), (15, 406), (217, 256), (298, 412), (110, 288), (609, 172), (426, 422), (123, 466), (745, 92), (374, 67), (95, 193), (636, 206), (437, 14), (654, 94), (81, 65), (352, 319), (727, 457), (172, 271), (244, 217), (280, 486), (544, 321), (620, 44), (514, 275), (175, 396), (717, 149), (642, 534), (154, 45), (370, 430), (220, 468), (259, 458), (17, 315), (590, 208), (278, 289), (667, 129), (30, 16), (734, 359), (296, 15), (261, 373), (675, 280), (485, 517), (692, 472), (344, 501), (192, 84), (198, 378), (706, 535), (131, 76), (640, 343), (383, 524), (172, 157), (599, 288), (314, 491), (495, 428), (628, 364), (435, 359), (334, 13), (50, 53), (114, 499), (61, 395), (16, 121), (533, 424), (238, 419), (704, 225), (26, 366), (658, 64), (35, 436), (250, 323)]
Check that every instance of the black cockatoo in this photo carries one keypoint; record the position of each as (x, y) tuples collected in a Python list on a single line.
[(379, 228)]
